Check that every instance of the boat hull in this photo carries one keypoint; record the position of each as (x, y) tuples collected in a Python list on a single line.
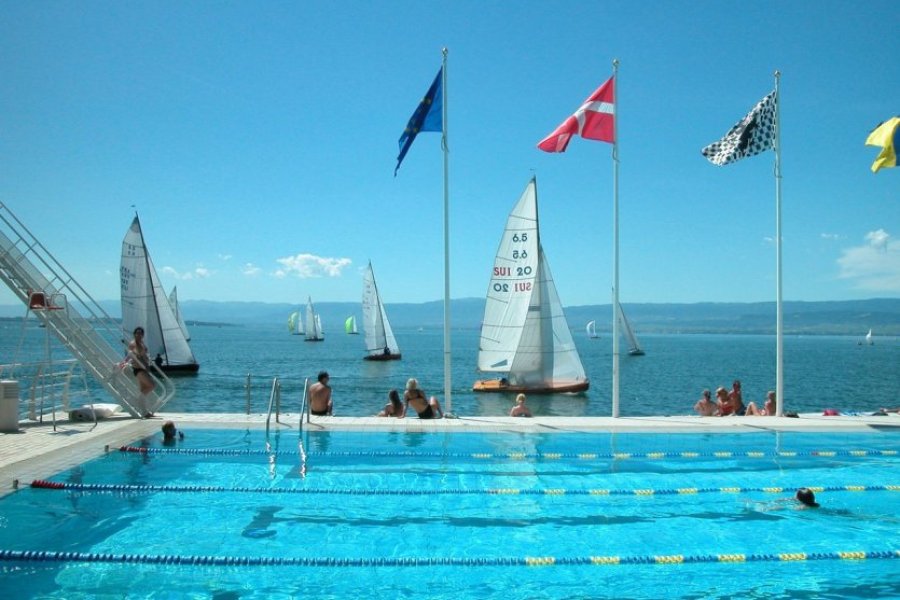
[(314, 340), (382, 357), (186, 369), (496, 385), (636, 353)]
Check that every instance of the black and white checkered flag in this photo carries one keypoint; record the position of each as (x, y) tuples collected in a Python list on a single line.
[(751, 135)]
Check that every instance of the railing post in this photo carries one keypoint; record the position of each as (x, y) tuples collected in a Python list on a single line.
[(247, 391), (278, 402)]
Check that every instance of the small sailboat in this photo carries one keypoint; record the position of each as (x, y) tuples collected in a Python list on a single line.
[(173, 300), (869, 341), (380, 341), (313, 324), (524, 334), (350, 325), (295, 323), (591, 329), (145, 304), (634, 349)]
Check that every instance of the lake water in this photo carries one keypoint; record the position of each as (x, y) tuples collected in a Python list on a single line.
[(820, 371)]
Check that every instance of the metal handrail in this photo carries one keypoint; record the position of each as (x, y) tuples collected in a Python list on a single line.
[(304, 406), (276, 387)]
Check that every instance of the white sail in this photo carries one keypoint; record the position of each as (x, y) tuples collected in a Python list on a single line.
[(634, 348), (869, 338), (524, 333), (295, 323), (313, 324), (379, 336), (173, 300), (144, 304), (591, 329)]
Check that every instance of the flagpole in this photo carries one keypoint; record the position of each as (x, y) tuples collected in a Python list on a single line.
[(779, 325), (448, 398), (615, 290)]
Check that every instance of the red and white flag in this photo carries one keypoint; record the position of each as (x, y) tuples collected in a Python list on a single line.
[(594, 120)]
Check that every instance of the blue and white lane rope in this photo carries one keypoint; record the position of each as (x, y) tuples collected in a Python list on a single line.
[(548, 456), (524, 561), (129, 488)]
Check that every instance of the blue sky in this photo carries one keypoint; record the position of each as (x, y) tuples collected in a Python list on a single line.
[(258, 141)]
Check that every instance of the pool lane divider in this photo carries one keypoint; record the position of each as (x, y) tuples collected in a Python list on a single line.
[(128, 488), (515, 455), (526, 561)]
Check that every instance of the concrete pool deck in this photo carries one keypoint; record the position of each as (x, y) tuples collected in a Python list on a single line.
[(37, 451)]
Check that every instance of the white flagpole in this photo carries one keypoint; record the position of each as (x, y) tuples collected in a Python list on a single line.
[(779, 325), (448, 399), (615, 290)]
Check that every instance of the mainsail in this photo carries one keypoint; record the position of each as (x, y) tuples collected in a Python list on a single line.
[(524, 334), (295, 323), (173, 300), (591, 329), (634, 349), (350, 325), (144, 304), (313, 324), (380, 341)]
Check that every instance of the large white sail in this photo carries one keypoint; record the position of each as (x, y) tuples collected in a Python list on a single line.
[(313, 324), (634, 348), (144, 304), (524, 334), (380, 339), (173, 300)]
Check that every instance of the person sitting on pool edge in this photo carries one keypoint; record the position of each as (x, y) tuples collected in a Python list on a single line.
[(320, 402), (705, 407), (415, 396), (520, 409), (393, 408), (768, 409), (807, 498)]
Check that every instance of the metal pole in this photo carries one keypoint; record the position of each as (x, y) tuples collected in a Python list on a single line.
[(615, 290), (779, 324), (448, 376), (247, 391)]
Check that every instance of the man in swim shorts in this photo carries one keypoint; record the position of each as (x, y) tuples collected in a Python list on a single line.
[(320, 396)]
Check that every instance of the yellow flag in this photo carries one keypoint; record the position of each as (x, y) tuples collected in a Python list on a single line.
[(885, 137)]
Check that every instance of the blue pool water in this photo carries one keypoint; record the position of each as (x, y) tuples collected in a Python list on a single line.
[(487, 503)]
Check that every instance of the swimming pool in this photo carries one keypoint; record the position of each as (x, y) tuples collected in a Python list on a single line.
[(388, 514)]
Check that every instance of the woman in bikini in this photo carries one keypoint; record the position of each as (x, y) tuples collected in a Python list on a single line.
[(426, 409), (140, 363), (393, 408)]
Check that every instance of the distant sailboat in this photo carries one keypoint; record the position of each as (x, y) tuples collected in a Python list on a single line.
[(313, 324), (591, 329), (350, 325), (634, 349), (380, 342), (524, 334), (295, 323), (173, 300), (869, 340), (145, 304)]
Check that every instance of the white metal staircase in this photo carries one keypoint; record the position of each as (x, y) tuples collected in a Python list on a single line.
[(72, 315)]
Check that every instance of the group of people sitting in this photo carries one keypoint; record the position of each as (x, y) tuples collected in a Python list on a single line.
[(730, 403), (426, 408)]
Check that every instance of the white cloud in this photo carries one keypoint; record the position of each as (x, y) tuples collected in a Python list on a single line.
[(200, 272), (224, 257), (831, 236), (250, 270), (307, 266), (875, 265)]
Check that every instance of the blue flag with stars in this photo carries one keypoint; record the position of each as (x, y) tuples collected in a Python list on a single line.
[(429, 116)]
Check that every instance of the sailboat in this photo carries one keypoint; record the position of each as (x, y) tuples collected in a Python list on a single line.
[(524, 334), (313, 324), (869, 340), (350, 325), (591, 329), (634, 349), (380, 342), (145, 304), (295, 323), (173, 300)]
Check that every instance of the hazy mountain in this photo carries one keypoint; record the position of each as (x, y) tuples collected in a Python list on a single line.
[(849, 317)]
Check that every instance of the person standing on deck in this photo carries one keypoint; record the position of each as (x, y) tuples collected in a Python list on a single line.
[(140, 366), (320, 396)]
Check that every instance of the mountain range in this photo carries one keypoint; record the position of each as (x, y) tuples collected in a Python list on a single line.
[(846, 317)]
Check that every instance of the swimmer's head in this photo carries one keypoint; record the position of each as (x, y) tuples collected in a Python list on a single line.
[(806, 497)]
